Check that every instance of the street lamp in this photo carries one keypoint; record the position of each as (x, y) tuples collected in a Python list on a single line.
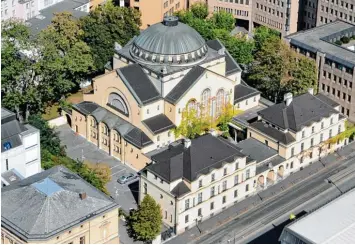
[(331, 182)]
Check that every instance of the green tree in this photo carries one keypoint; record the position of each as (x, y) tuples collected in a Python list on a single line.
[(191, 125), (199, 10), (263, 33), (144, 224), (19, 72), (223, 20), (106, 25), (66, 59)]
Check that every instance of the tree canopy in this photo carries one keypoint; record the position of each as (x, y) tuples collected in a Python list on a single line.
[(106, 25), (218, 26), (144, 224)]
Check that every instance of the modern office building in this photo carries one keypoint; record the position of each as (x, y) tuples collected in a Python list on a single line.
[(335, 60), (154, 11), (331, 10), (169, 67), (57, 206), (334, 223), (20, 146)]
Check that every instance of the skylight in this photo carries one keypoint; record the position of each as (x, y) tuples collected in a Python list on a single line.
[(47, 187)]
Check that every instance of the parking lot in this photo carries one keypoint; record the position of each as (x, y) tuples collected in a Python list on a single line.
[(126, 195)]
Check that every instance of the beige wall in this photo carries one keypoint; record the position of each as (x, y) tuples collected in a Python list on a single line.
[(101, 229)]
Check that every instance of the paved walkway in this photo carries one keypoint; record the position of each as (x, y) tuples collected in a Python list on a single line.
[(248, 203)]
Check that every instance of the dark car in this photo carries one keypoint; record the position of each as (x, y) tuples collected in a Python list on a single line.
[(126, 177)]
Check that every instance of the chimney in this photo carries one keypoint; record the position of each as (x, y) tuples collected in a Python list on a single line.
[(187, 143), (82, 195), (288, 98), (311, 91)]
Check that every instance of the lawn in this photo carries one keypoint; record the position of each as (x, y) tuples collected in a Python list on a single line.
[(53, 110)]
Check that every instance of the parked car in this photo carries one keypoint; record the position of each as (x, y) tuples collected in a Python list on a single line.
[(126, 177)]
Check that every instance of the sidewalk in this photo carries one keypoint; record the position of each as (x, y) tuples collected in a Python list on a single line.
[(248, 203)]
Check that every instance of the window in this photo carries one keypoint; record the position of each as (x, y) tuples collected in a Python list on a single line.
[(236, 166), (161, 196), (224, 185), (224, 199), (171, 218), (212, 177), (186, 218), (220, 101), (212, 205), (344, 96), (291, 165), (224, 171), (302, 146), (349, 98), (199, 212), (82, 240), (200, 183), (312, 142), (145, 188), (247, 174), (339, 129), (312, 129), (321, 137), (331, 121), (7, 164), (302, 159), (303, 134), (147, 111), (330, 133), (322, 125), (266, 142), (158, 138), (235, 193), (247, 188), (187, 204), (199, 198), (212, 191), (206, 94), (236, 180), (292, 151)]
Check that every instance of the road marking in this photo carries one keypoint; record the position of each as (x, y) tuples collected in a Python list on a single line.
[(115, 166), (117, 172)]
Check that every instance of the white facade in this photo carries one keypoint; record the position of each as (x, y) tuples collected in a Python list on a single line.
[(26, 157)]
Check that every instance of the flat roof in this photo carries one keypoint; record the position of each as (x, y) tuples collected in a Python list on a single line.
[(332, 223), (314, 40)]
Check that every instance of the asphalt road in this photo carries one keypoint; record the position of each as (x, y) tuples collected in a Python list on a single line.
[(253, 213), (248, 224)]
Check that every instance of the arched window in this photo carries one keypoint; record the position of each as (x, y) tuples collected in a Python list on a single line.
[(192, 105), (104, 129), (118, 103), (206, 94), (220, 101)]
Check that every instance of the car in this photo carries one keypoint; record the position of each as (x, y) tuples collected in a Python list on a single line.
[(126, 177)]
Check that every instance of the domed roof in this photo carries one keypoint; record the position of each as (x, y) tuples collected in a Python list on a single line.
[(169, 42)]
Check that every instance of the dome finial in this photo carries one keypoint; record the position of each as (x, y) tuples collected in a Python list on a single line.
[(171, 21)]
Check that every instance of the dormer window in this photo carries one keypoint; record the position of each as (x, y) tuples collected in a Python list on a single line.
[(303, 134), (212, 177)]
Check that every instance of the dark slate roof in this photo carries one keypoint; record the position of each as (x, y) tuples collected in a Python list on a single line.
[(37, 24), (205, 154), (256, 150), (327, 100), (185, 84), (304, 110), (139, 84), (231, 65), (128, 131), (163, 38), (243, 92), (284, 138), (180, 189), (7, 115), (159, 124), (47, 203)]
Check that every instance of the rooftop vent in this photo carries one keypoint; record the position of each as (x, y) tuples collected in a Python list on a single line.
[(171, 21), (187, 143), (288, 98), (82, 195)]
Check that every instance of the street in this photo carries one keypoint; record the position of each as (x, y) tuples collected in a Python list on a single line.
[(252, 214)]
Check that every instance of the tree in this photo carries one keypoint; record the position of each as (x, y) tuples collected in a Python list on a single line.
[(223, 20), (263, 33), (106, 25), (199, 10), (192, 125), (144, 224), (277, 70), (19, 71), (66, 59)]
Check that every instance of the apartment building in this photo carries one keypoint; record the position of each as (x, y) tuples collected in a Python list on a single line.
[(331, 10), (299, 129), (335, 61), (168, 68), (57, 207), (20, 146), (154, 11), (195, 179)]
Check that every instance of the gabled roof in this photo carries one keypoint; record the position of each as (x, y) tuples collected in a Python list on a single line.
[(185, 84), (243, 92), (127, 130), (204, 154), (45, 204), (304, 110), (139, 84), (158, 124)]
